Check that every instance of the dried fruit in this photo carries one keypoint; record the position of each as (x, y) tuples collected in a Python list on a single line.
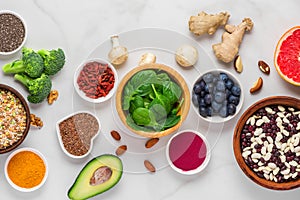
[(36, 121), (151, 142), (149, 166), (238, 65), (264, 67), (257, 85), (115, 135), (121, 150), (53, 95)]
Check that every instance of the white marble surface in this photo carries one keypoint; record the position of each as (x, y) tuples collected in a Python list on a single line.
[(80, 26)]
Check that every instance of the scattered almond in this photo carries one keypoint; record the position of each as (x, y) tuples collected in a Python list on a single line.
[(264, 67), (238, 65), (257, 85), (149, 166), (121, 150), (151, 142), (115, 135)]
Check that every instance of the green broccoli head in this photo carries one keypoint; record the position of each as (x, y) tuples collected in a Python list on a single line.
[(54, 60), (38, 88), (31, 63)]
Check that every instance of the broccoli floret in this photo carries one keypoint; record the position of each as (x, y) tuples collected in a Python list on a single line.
[(31, 63), (54, 60), (38, 88)]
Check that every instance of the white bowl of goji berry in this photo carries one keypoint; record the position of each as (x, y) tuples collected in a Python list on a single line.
[(95, 80)]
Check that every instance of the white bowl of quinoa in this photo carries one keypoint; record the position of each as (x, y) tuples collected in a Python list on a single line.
[(14, 118), (13, 33)]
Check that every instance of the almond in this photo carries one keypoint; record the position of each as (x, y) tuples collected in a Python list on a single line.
[(121, 150), (257, 85), (264, 67), (115, 135), (149, 166), (151, 142), (238, 65)]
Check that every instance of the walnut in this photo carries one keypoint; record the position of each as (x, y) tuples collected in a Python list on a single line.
[(36, 121), (53, 95)]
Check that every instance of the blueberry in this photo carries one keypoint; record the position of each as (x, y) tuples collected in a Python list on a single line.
[(211, 87), (216, 106), (206, 89), (202, 84), (201, 102), (203, 111), (231, 109), (215, 79), (220, 86), (207, 99), (223, 111), (228, 93), (219, 97), (209, 111), (236, 90), (229, 83), (195, 99), (224, 77), (234, 100), (208, 78), (202, 93), (197, 88)]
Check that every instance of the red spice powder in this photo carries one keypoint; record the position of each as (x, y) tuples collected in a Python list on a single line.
[(187, 151)]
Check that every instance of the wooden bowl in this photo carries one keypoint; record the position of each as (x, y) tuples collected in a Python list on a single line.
[(25, 105), (273, 100), (175, 76)]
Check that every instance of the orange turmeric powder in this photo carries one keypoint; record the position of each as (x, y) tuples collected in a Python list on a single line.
[(26, 169)]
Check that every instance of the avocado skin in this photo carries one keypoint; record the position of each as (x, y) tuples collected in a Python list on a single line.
[(78, 188)]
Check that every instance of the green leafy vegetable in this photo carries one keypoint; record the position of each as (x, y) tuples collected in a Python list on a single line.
[(137, 102), (172, 91), (171, 121)]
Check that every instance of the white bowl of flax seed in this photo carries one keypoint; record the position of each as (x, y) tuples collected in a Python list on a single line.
[(76, 133), (26, 169), (13, 33)]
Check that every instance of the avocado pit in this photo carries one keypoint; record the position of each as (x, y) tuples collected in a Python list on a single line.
[(101, 175)]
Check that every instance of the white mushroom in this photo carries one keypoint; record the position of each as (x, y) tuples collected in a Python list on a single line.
[(147, 58), (118, 54), (186, 55)]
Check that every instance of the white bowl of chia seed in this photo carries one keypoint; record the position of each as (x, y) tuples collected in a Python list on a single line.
[(13, 33)]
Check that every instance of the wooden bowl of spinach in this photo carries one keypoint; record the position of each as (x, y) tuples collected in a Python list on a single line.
[(153, 100)]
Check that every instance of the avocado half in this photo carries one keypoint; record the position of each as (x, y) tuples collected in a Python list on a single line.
[(98, 175)]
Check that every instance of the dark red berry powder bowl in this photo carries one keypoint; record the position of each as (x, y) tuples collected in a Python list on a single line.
[(266, 142), (188, 152), (96, 80)]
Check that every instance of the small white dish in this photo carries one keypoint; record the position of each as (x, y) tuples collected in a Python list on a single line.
[(21, 189), (60, 137), (216, 118), (82, 94), (11, 53), (203, 162)]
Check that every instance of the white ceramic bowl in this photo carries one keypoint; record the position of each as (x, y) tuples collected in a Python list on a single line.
[(60, 138), (9, 54), (216, 118), (100, 99), (202, 166), (16, 186)]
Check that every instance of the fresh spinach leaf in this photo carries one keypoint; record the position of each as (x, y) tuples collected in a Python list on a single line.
[(137, 102), (160, 99), (175, 109), (172, 91), (171, 121), (133, 125), (140, 78)]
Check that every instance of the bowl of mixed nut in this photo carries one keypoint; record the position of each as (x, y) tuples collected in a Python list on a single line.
[(266, 142), (14, 118)]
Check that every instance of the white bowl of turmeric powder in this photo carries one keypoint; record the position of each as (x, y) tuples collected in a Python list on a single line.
[(26, 169)]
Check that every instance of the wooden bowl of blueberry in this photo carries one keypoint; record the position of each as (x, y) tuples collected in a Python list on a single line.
[(217, 96), (266, 142)]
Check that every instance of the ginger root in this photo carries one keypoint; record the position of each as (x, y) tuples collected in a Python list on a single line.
[(53, 95), (207, 23), (231, 40), (36, 121)]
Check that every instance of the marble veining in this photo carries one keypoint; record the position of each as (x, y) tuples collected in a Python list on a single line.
[(80, 26)]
